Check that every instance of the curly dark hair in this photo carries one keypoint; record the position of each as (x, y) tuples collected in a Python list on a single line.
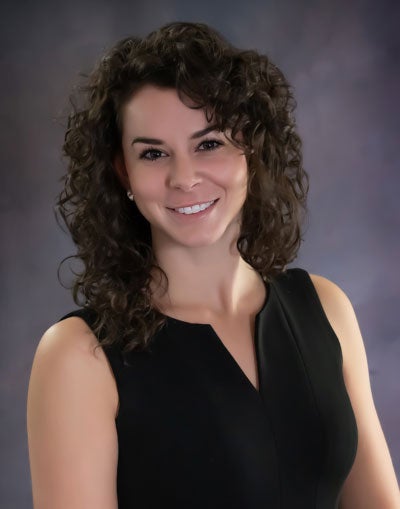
[(242, 91)]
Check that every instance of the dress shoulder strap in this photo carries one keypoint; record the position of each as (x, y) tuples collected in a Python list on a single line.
[(305, 314), (88, 315)]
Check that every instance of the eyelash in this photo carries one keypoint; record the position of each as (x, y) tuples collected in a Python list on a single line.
[(150, 150), (218, 143)]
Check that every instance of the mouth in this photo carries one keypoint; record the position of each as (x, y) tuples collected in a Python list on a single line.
[(194, 209)]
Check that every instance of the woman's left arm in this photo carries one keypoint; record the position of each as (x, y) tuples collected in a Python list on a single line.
[(372, 482)]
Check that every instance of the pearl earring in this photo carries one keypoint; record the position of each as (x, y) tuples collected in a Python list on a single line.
[(130, 195)]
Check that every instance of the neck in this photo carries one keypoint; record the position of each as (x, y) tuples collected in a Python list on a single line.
[(211, 280)]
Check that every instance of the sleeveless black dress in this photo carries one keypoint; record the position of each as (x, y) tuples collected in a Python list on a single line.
[(194, 433)]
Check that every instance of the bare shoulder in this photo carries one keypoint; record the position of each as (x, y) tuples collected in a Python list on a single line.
[(330, 294), (70, 345), (71, 407), (343, 320), (71, 334), (338, 309)]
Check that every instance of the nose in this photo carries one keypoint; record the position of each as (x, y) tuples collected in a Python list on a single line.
[(183, 173)]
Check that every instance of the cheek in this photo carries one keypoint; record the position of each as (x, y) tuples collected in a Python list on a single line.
[(234, 174), (145, 185)]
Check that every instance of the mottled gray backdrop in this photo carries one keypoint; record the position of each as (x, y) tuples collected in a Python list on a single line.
[(342, 59)]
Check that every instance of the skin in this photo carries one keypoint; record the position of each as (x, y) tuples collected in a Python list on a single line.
[(72, 397)]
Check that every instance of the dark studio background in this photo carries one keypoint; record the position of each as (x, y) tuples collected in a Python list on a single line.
[(342, 59)]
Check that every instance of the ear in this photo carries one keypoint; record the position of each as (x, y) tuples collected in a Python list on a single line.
[(120, 170)]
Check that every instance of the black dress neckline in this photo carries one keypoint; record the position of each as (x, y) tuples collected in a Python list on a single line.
[(182, 324)]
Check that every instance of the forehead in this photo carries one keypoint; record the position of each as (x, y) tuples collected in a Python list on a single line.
[(160, 108)]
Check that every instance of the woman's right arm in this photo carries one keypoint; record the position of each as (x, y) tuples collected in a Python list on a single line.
[(71, 408)]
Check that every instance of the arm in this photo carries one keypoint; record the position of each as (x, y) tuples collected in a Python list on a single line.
[(371, 483), (72, 401)]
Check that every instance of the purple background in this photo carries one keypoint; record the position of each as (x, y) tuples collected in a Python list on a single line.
[(341, 57)]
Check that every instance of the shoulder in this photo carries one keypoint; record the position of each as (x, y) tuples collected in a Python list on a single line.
[(333, 298), (306, 292), (69, 351), (328, 289), (297, 285), (68, 341), (338, 309), (343, 320), (72, 334)]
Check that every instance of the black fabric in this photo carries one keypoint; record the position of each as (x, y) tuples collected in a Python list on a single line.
[(193, 432)]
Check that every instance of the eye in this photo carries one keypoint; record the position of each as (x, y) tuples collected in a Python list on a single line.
[(151, 154), (209, 145)]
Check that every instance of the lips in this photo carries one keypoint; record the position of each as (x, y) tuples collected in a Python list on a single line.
[(195, 208), (190, 205)]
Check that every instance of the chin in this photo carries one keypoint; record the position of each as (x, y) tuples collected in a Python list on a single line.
[(203, 238), (197, 241), (196, 237)]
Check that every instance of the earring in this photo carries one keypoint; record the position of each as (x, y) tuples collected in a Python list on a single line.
[(130, 195)]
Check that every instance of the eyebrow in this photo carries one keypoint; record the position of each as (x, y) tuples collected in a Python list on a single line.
[(156, 141)]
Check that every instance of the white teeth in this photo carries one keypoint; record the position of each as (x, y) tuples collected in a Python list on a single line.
[(195, 208)]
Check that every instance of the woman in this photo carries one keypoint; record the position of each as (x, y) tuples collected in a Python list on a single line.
[(219, 379)]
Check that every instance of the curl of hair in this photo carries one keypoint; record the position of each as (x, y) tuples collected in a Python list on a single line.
[(239, 90)]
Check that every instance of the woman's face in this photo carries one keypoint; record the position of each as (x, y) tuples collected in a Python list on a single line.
[(177, 165)]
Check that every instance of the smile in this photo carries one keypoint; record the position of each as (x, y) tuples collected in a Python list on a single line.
[(195, 208)]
